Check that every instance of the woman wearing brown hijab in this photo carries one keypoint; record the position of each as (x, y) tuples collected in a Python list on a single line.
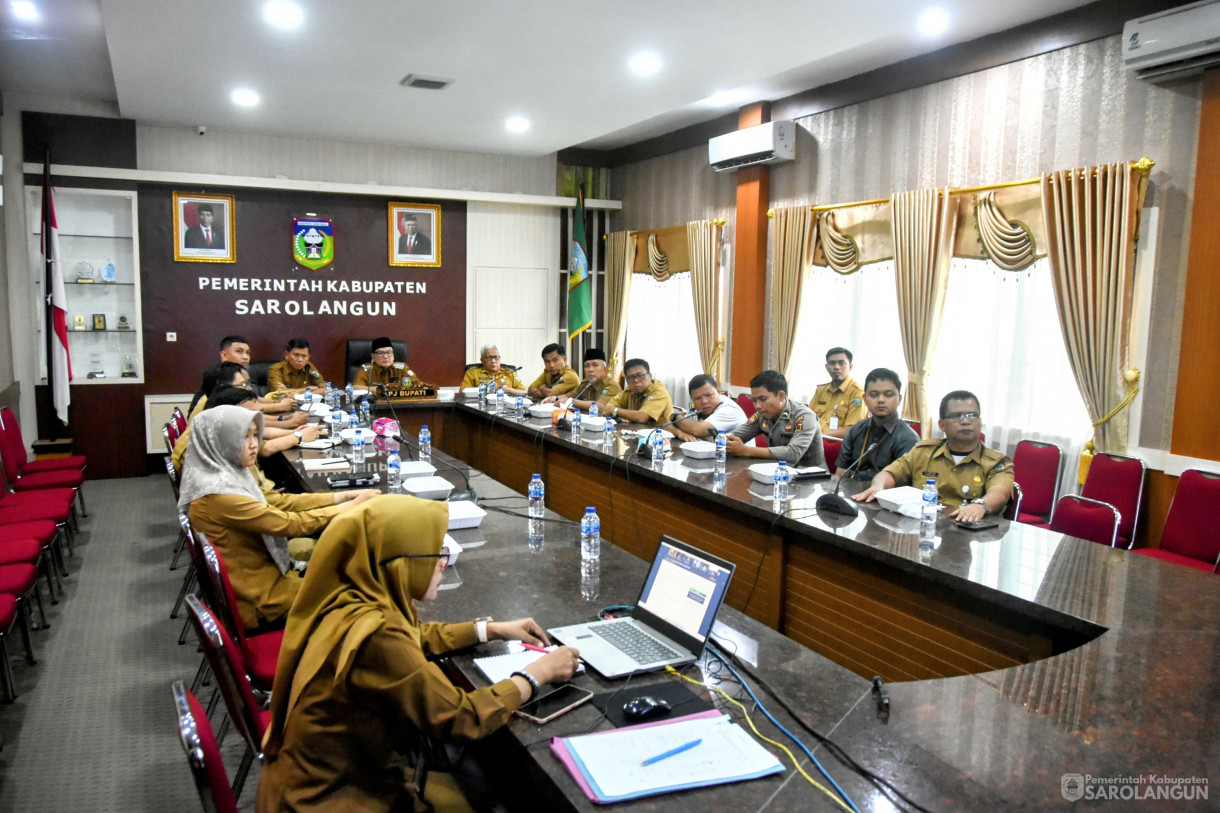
[(354, 679)]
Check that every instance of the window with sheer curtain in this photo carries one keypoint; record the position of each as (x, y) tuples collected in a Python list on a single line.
[(999, 338), (661, 330), (858, 311)]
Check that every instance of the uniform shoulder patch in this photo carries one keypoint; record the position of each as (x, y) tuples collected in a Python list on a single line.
[(753, 418), (398, 365), (800, 423)]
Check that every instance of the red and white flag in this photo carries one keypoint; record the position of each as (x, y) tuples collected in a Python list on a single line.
[(58, 362)]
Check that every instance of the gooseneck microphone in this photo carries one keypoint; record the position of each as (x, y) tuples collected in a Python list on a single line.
[(841, 505), (466, 494)]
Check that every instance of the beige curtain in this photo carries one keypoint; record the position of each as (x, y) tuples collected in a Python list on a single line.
[(923, 226), (1091, 218), (840, 250), (620, 259), (703, 241), (793, 235), (1009, 243), (658, 260)]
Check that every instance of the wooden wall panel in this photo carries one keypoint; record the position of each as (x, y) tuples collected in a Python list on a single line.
[(107, 423)]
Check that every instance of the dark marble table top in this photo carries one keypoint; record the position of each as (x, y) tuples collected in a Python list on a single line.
[(1133, 711)]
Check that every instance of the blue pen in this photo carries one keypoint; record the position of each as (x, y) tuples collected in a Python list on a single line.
[(671, 752)]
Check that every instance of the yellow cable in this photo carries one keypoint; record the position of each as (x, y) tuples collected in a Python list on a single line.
[(838, 800)]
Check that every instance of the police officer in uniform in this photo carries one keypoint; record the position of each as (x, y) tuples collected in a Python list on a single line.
[(972, 479), (492, 373), (384, 370), (597, 385), (838, 403), (557, 378), (295, 372), (792, 429), (645, 400)]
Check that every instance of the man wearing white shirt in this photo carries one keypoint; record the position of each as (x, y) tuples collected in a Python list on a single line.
[(713, 412)]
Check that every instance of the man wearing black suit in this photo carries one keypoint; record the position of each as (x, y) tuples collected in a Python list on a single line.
[(203, 235), (410, 241)]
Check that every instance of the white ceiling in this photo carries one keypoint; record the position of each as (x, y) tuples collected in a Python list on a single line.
[(562, 64)]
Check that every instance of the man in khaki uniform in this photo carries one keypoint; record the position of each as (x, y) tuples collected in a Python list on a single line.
[(971, 478), (492, 373), (644, 400), (295, 372), (791, 428), (384, 370), (598, 385), (557, 377), (838, 403)]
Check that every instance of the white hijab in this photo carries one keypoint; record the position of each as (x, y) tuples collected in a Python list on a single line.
[(213, 459)]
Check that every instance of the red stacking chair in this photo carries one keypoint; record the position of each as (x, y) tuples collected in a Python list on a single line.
[(11, 612), (915, 425), (13, 441), (44, 480), (831, 447), (27, 552), (170, 436), (1035, 465), (46, 534), (1192, 528), (747, 406), (260, 652), (1088, 519), (202, 753), (1013, 509), (230, 672), (1118, 480), (179, 420)]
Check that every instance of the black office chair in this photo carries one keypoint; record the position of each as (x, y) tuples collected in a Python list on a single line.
[(512, 367), (258, 375), (360, 351)]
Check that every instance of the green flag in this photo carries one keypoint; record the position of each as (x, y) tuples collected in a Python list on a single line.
[(580, 286)]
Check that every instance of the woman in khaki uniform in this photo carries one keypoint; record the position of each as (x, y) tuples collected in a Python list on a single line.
[(226, 504), (355, 683)]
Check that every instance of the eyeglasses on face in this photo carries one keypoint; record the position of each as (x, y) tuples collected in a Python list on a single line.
[(387, 352), (962, 416), (637, 376), (449, 556), (491, 358)]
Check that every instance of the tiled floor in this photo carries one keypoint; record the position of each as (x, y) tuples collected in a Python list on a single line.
[(93, 727)]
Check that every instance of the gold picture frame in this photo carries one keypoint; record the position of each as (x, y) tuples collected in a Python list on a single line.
[(197, 242), (421, 247), (99, 321)]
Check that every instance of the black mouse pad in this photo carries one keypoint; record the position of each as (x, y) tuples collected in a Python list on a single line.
[(681, 700)]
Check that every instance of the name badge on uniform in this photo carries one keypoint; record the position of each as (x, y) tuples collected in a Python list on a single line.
[(834, 422)]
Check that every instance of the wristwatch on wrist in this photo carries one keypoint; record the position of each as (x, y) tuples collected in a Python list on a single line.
[(614, 414), (297, 434), (480, 628), (979, 501)]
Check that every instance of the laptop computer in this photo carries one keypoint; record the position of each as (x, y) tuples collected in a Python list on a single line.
[(671, 620)]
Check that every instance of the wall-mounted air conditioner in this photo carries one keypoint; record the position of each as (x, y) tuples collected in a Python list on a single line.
[(768, 143), (1173, 44)]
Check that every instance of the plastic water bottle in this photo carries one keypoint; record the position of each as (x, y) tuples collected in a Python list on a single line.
[(482, 393), (499, 400), (537, 535), (425, 443), (519, 409), (779, 490), (365, 413), (358, 447), (590, 580), (590, 536), (308, 398), (350, 397), (594, 412), (576, 425), (329, 392), (658, 446), (608, 433), (537, 494), (336, 422), (722, 453), (927, 513), (393, 468), (353, 420)]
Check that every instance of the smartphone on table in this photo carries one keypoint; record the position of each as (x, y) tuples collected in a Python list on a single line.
[(547, 707)]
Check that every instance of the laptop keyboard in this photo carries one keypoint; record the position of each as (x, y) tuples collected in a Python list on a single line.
[(637, 645)]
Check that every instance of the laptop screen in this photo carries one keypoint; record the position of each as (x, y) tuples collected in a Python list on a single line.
[(684, 589)]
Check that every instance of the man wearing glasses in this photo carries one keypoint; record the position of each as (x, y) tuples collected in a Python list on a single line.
[(973, 480), (491, 372), (644, 400), (384, 370), (838, 403)]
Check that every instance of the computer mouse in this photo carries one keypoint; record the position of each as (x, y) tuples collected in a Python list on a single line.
[(645, 707)]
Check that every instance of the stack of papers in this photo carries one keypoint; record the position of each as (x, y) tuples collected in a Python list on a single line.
[(326, 464), (608, 765)]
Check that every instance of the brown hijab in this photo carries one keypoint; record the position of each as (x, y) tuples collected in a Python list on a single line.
[(358, 582)]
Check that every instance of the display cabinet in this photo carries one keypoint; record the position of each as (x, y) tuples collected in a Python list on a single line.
[(98, 230)]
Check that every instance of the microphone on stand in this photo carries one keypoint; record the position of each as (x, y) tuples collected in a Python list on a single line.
[(466, 494), (641, 446), (841, 505)]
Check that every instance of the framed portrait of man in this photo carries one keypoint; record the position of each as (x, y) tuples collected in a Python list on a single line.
[(414, 234), (203, 228)]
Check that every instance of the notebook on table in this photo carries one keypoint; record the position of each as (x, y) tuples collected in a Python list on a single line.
[(671, 621)]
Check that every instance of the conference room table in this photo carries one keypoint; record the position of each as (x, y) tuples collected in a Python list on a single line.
[(1023, 668)]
